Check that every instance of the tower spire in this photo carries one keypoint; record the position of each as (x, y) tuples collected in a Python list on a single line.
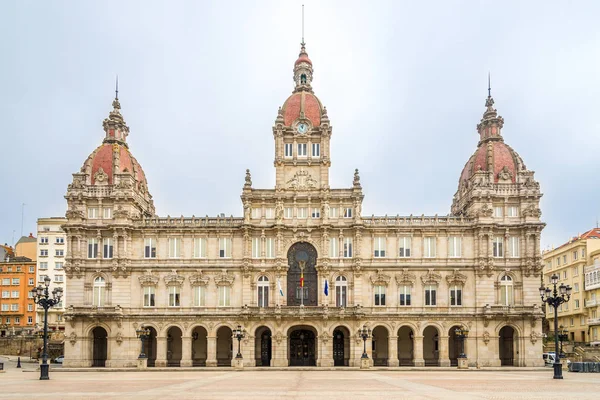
[(117, 88), (302, 25), (489, 85)]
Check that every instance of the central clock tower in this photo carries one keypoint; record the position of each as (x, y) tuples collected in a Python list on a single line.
[(302, 134)]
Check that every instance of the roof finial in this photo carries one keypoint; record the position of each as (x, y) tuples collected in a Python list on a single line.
[(302, 24), (489, 85), (117, 88)]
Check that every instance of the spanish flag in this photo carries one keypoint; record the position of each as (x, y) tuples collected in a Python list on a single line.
[(302, 279)]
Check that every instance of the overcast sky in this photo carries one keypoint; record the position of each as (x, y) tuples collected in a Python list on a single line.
[(200, 83)]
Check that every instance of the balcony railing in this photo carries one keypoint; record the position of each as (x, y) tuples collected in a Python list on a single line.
[(591, 303), (593, 321)]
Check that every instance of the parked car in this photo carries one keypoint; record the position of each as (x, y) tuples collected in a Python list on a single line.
[(550, 357), (59, 359)]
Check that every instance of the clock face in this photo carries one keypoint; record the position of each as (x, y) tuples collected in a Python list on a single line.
[(302, 127)]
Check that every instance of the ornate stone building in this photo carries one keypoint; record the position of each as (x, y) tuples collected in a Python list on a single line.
[(411, 279)]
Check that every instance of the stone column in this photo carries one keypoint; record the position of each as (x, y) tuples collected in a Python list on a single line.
[(356, 344), (325, 351), (393, 351), (186, 351), (444, 357), (161, 352), (418, 351), (211, 351), (279, 345)]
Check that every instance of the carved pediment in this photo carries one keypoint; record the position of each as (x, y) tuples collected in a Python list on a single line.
[(148, 279), (505, 175), (431, 278), (101, 177), (302, 180), (174, 279), (224, 278), (199, 279), (380, 278), (456, 278), (406, 278)]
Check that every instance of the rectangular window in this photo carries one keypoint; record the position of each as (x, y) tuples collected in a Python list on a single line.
[(404, 247), (498, 247), (429, 247), (149, 296), (92, 213), (513, 211), (59, 253), (107, 248), (347, 212), (6, 281), (14, 307), (44, 253), (576, 303), (17, 320), (107, 213), (256, 247), (430, 295), (16, 281), (149, 248), (92, 248), (289, 150), (454, 246), (59, 278), (557, 261), (256, 213), (174, 296), (270, 247), (200, 247), (498, 211), (565, 259), (6, 294), (59, 240), (316, 150), (29, 307), (333, 212), (455, 296), (31, 282), (575, 255), (15, 294), (301, 149), (302, 212), (404, 295), (341, 293), (199, 296), (224, 247), (513, 246), (31, 269), (174, 247), (19, 268), (564, 274), (333, 247), (348, 247), (316, 212), (43, 240), (379, 247), (575, 271), (269, 213), (5, 308), (263, 295), (576, 287), (29, 320), (582, 253), (289, 212), (379, 295), (224, 296), (43, 265)]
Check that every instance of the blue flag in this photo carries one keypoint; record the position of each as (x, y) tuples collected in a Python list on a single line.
[(326, 291)]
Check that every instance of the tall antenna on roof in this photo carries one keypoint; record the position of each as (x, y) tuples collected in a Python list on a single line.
[(117, 88), (489, 85), (303, 24)]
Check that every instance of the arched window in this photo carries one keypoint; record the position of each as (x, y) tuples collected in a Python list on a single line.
[(99, 291), (341, 291), (303, 79), (507, 297), (263, 291)]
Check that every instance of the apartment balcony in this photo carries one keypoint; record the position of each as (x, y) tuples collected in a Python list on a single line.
[(591, 303), (593, 321)]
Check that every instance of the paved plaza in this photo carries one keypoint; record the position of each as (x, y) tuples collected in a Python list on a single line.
[(299, 384)]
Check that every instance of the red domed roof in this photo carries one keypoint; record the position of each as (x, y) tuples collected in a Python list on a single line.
[(302, 101), (103, 161), (492, 157), (303, 58)]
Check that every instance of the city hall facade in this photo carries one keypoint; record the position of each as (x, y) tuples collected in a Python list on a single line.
[(412, 279)]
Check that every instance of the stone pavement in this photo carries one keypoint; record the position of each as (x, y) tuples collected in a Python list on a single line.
[(299, 384)]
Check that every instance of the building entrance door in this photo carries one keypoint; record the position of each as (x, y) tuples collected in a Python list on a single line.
[(99, 350), (338, 348), (302, 348), (265, 349)]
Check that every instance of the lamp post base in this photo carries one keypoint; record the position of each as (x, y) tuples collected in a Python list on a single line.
[(142, 363), (557, 371), (238, 363), (365, 363), (463, 363), (44, 368)]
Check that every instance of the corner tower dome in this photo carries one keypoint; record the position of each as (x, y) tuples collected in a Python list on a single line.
[(302, 104)]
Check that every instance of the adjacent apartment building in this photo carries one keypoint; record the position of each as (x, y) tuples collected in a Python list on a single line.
[(592, 291), (51, 260), (17, 278), (572, 263)]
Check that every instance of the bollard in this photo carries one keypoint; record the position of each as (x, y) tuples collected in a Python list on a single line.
[(19, 362)]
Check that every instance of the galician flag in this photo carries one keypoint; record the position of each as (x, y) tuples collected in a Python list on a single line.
[(326, 290), (280, 288)]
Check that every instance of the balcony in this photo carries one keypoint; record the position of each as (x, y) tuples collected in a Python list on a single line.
[(593, 321), (591, 303)]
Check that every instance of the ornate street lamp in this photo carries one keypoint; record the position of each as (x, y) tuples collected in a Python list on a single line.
[(563, 336), (143, 333), (364, 333), (239, 333), (462, 333), (41, 296), (555, 298)]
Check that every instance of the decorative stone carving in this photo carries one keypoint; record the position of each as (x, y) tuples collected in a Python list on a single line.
[(431, 278), (174, 279), (380, 278), (486, 337), (101, 177), (74, 214), (224, 279), (406, 278), (121, 213), (505, 174), (248, 180), (456, 278), (302, 180), (199, 279), (356, 182), (73, 338), (485, 211), (124, 184), (534, 337), (148, 279), (77, 184), (532, 211), (119, 338)]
